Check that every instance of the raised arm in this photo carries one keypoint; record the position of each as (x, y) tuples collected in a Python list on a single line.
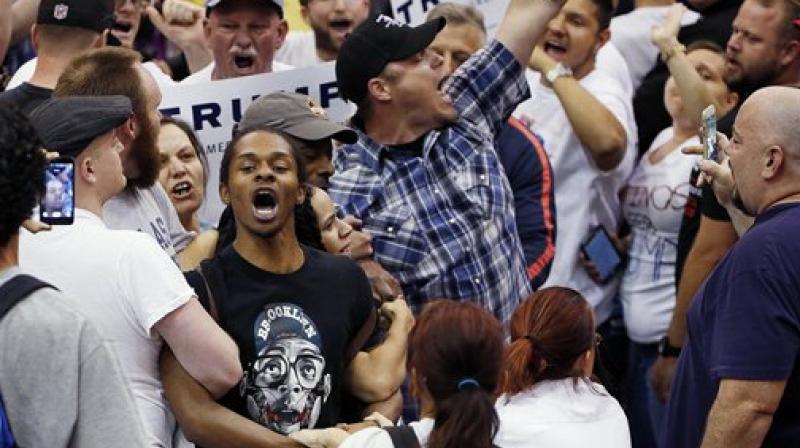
[(376, 375), (595, 125), (524, 22), (206, 422), (694, 95), (207, 352)]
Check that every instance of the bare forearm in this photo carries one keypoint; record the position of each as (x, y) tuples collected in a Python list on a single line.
[(204, 421), (595, 126), (5, 27), (732, 426), (375, 375), (524, 22), (197, 57), (694, 95)]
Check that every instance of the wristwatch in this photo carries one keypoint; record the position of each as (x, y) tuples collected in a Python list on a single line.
[(558, 71), (667, 350)]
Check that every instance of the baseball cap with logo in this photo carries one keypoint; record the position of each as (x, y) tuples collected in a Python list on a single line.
[(295, 114), (278, 4), (375, 43), (96, 15)]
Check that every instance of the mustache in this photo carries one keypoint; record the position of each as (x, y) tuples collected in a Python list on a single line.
[(239, 51)]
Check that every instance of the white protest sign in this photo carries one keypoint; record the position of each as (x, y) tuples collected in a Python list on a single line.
[(413, 12), (212, 108)]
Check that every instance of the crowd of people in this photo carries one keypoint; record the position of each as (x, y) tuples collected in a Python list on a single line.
[(524, 236)]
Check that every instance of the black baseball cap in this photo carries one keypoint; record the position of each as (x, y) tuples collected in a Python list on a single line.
[(275, 4), (295, 114), (68, 124), (95, 15), (375, 43)]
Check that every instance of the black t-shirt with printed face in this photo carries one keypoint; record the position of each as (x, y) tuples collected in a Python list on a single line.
[(292, 330)]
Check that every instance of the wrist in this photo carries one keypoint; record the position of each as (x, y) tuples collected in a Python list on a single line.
[(669, 48), (667, 350)]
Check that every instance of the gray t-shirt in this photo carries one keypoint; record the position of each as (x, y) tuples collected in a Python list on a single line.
[(61, 384), (148, 210)]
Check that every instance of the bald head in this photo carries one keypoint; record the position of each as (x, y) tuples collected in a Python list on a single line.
[(776, 111)]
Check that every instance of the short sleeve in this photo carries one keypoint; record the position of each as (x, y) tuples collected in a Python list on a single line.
[(153, 285), (178, 235), (756, 333)]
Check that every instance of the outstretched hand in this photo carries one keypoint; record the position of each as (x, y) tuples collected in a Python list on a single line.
[(664, 34)]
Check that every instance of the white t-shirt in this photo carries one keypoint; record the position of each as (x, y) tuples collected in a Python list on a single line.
[(25, 72), (653, 203), (124, 284), (631, 34), (148, 210), (379, 438), (562, 414), (204, 74), (299, 50), (610, 61), (585, 196)]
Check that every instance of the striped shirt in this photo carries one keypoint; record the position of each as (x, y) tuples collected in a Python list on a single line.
[(443, 222)]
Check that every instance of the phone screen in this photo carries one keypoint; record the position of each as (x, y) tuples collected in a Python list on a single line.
[(709, 136), (600, 250), (58, 203)]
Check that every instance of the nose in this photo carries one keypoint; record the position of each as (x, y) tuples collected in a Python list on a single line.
[(556, 25), (735, 42), (339, 5), (243, 39), (448, 65), (345, 229), (176, 167)]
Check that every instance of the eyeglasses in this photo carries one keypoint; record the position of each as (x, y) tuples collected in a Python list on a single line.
[(273, 370)]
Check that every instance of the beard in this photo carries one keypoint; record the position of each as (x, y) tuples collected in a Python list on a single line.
[(746, 83), (738, 202), (144, 155)]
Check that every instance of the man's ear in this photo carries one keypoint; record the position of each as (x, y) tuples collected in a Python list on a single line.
[(773, 162), (283, 29), (790, 54), (34, 34), (379, 89), (84, 168), (602, 37), (304, 15)]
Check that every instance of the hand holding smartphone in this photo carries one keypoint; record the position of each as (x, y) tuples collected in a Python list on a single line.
[(601, 251), (57, 205)]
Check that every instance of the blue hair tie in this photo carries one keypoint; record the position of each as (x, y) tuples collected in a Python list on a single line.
[(462, 385)]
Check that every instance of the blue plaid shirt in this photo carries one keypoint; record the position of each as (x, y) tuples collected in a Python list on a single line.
[(443, 223)]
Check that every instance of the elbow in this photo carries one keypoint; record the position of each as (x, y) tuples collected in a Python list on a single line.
[(610, 151), (380, 388), (225, 379)]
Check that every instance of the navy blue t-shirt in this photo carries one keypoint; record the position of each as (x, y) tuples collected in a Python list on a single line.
[(744, 323)]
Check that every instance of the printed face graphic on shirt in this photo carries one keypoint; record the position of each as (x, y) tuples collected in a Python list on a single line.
[(286, 385)]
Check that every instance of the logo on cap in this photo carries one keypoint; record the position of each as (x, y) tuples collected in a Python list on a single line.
[(60, 11), (388, 21), (315, 107)]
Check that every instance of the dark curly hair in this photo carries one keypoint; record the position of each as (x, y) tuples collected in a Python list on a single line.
[(22, 165)]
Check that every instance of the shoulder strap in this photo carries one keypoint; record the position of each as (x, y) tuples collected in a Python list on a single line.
[(15, 290), (402, 436)]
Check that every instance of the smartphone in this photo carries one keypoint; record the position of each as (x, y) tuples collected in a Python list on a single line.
[(58, 202), (601, 251), (709, 133)]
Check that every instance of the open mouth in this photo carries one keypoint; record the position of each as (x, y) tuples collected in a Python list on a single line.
[(555, 49), (265, 206), (181, 190), (124, 27), (244, 61), (341, 26)]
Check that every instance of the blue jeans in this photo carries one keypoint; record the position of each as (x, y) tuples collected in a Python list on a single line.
[(646, 415)]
